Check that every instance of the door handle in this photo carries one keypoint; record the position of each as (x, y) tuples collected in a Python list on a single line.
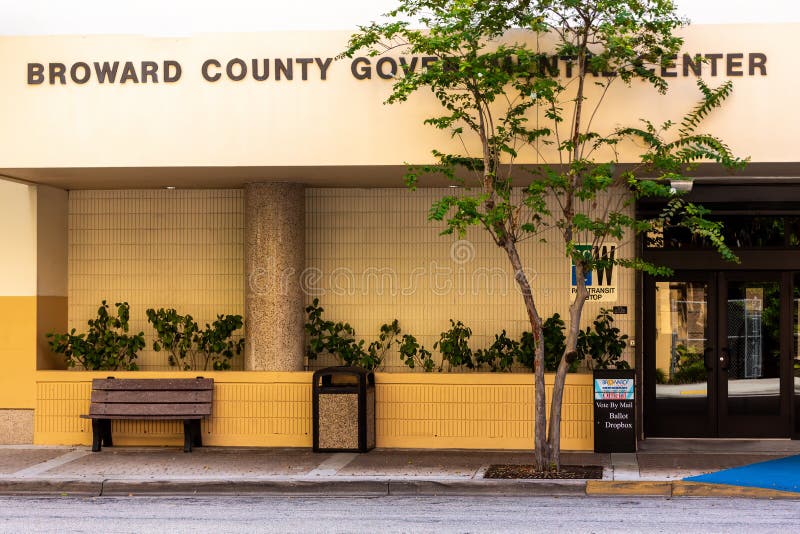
[(724, 358), (708, 358)]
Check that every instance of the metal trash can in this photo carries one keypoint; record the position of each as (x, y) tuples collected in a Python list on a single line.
[(344, 409)]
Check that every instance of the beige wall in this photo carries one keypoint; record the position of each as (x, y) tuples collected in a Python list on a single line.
[(340, 121), (372, 257), (51, 241), (18, 239), (51, 272), (156, 248)]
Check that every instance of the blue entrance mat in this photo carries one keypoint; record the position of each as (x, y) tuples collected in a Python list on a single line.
[(782, 474)]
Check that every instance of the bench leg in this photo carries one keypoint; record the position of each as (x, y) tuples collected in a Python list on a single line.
[(97, 434), (101, 434), (187, 435), (107, 441), (197, 433)]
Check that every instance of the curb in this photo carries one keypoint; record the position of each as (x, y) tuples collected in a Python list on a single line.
[(679, 488), (76, 488), (698, 489), (488, 488), (383, 488), (628, 488), (340, 488), (350, 488), (316, 488)]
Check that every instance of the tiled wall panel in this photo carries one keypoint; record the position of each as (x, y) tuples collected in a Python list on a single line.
[(373, 256), (179, 249)]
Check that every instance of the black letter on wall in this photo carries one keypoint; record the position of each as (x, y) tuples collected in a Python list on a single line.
[(174, 77), (57, 70), (758, 61), (204, 70), (35, 73), (364, 73)]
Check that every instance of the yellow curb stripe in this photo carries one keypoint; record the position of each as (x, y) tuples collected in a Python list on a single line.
[(697, 489), (624, 487)]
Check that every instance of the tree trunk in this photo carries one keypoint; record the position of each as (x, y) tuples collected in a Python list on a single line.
[(542, 452), (575, 311)]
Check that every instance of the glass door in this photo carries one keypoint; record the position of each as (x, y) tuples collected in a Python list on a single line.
[(681, 319), (751, 380), (718, 355)]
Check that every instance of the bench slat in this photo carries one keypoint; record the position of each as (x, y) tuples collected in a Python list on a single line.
[(138, 384), (143, 417), (175, 410), (152, 396)]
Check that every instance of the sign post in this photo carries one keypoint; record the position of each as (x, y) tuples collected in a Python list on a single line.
[(614, 410)]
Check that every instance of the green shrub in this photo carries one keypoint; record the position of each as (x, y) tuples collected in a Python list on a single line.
[(339, 340), (106, 346), (192, 348), (601, 344), (174, 333), (500, 354), (453, 344), (413, 354), (555, 343)]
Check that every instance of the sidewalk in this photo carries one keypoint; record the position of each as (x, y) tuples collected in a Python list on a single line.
[(657, 469)]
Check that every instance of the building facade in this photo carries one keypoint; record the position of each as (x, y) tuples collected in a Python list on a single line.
[(253, 173)]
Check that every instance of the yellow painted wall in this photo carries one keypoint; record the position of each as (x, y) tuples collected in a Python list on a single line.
[(17, 295), (17, 352), (51, 316), (492, 411), (156, 248), (339, 121), (475, 410)]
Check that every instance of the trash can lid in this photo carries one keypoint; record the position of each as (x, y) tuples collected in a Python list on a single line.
[(342, 370)]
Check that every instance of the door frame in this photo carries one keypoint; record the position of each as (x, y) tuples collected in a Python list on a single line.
[(715, 422), (762, 426), (658, 424)]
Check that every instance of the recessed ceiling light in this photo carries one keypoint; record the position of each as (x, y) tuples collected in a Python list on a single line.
[(170, 187)]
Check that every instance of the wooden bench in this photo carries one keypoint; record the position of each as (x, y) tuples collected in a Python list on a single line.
[(150, 399)]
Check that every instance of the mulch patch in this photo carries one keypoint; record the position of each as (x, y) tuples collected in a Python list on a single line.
[(529, 471)]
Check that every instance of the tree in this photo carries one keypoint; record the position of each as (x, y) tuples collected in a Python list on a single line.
[(491, 85)]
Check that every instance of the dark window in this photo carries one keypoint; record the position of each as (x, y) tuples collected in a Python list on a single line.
[(739, 231)]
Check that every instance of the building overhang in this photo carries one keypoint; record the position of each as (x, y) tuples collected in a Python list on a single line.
[(364, 176)]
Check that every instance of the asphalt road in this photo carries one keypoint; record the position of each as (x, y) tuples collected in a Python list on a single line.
[(177, 515)]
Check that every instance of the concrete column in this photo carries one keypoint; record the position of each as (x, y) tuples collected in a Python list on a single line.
[(274, 258)]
